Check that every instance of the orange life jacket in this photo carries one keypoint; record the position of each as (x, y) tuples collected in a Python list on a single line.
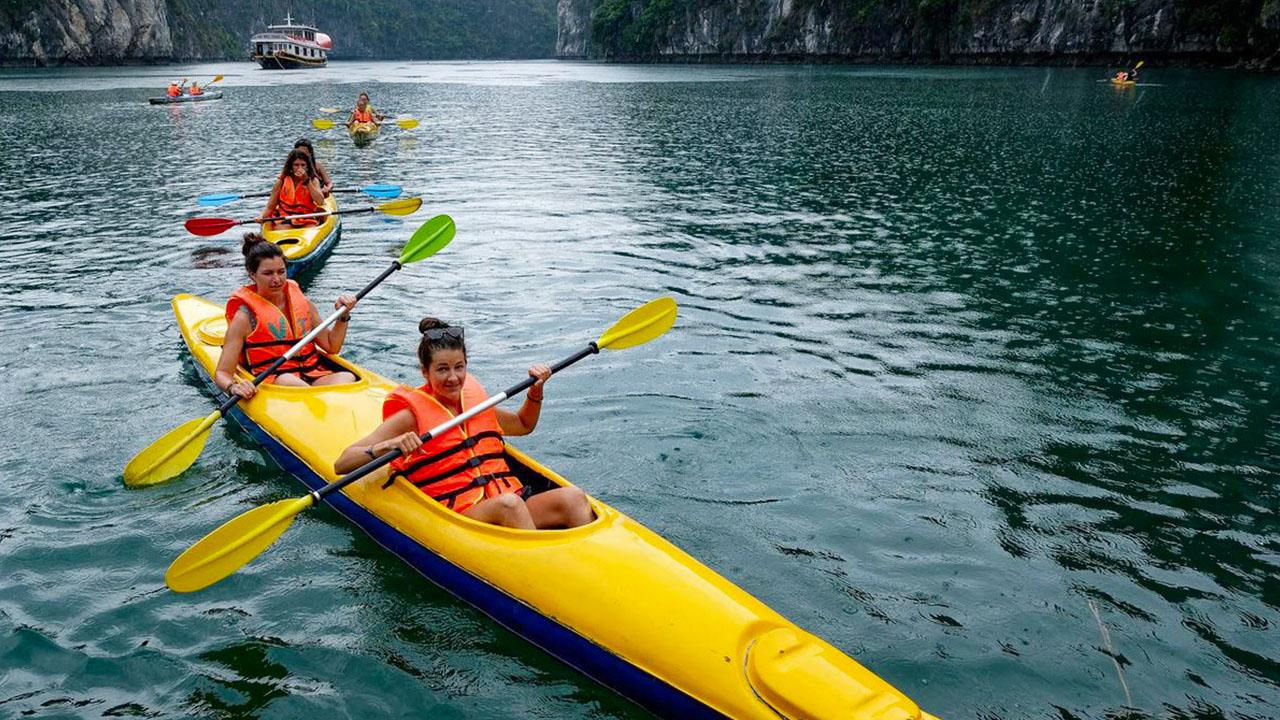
[(195, 89), (365, 115), (295, 199), (174, 90), (274, 333), (463, 466)]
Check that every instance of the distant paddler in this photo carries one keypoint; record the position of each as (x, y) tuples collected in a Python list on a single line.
[(464, 468), (364, 112), (297, 191), (175, 90), (267, 317)]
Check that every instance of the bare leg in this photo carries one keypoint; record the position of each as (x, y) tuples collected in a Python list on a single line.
[(337, 378), (290, 380), (506, 510), (565, 507)]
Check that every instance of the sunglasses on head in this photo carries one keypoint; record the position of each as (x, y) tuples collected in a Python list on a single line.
[(453, 331)]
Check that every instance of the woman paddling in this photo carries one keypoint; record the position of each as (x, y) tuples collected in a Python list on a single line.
[(267, 317), (326, 181), (364, 112), (296, 192), (465, 468)]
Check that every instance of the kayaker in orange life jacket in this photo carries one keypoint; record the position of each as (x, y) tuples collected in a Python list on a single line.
[(195, 89), (464, 468), (326, 181), (267, 317), (364, 112), (174, 89), (296, 192)]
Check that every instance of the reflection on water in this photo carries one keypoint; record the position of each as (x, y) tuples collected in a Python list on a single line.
[(973, 376)]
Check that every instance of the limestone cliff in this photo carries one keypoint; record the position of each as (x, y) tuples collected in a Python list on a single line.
[(40, 31), (1245, 32)]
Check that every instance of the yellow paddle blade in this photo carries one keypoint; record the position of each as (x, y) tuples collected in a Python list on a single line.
[(321, 124), (408, 123), (233, 545), (173, 453), (216, 78), (1140, 62), (640, 325), (403, 206)]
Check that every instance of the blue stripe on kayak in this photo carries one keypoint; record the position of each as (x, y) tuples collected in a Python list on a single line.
[(577, 651), (313, 259)]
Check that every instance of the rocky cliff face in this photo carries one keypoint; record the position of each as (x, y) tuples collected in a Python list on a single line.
[(84, 31), (1211, 31)]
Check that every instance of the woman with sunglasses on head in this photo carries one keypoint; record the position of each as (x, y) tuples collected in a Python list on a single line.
[(464, 469)]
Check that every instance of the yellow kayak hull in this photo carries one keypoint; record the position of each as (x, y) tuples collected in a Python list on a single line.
[(306, 247), (364, 133), (611, 598)]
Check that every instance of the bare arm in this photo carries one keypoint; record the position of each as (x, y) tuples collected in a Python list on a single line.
[(326, 182), (396, 431), (317, 195), (331, 338), (272, 202), (225, 374), (524, 420)]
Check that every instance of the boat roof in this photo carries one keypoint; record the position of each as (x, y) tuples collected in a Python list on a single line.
[(289, 25)]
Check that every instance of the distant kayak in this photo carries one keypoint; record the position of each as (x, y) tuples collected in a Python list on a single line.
[(166, 100)]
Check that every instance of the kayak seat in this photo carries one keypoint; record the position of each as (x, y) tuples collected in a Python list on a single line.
[(530, 478)]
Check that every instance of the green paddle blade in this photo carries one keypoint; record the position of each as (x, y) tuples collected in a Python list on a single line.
[(321, 124), (640, 325), (173, 453), (428, 240), (230, 547), (407, 123), (403, 206)]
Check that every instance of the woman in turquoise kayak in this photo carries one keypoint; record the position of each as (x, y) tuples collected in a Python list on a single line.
[(270, 315), (465, 468)]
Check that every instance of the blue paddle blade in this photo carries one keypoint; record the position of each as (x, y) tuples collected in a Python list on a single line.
[(382, 191), (217, 199)]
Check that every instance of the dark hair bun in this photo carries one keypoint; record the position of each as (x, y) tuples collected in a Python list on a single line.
[(250, 239), (430, 323)]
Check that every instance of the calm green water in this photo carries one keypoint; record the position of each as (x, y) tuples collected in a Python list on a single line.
[(974, 376)]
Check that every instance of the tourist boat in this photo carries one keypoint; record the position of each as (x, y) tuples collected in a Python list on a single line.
[(290, 46)]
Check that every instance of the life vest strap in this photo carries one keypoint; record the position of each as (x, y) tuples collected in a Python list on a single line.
[(448, 498), (473, 462), (464, 445)]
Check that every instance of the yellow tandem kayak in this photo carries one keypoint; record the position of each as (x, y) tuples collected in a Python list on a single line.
[(611, 598), (306, 247), (363, 133)]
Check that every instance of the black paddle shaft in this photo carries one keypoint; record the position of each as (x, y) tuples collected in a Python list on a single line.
[(233, 398), (374, 464)]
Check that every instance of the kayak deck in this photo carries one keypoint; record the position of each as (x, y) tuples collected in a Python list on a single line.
[(363, 133), (306, 247), (610, 598)]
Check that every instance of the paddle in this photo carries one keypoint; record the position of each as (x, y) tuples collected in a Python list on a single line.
[(178, 449), (403, 123), (207, 226), (227, 549), (378, 191)]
